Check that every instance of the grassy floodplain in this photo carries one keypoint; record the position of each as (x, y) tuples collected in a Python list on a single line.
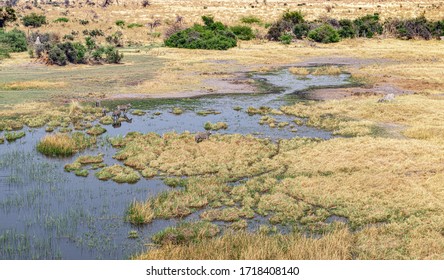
[(372, 191)]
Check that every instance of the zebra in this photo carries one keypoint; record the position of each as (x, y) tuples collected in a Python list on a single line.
[(200, 136), (124, 107)]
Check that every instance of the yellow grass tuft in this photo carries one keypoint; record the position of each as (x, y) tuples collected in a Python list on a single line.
[(253, 246)]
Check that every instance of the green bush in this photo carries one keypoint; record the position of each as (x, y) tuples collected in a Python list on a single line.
[(368, 26), (284, 24), (115, 39), (300, 30), (61, 19), (286, 39), (347, 29), (418, 27), (120, 23), (112, 55), (57, 56), (34, 20), (294, 17), (324, 34), (7, 14), (83, 21), (243, 32), (75, 52), (212, 36), (14, 40)]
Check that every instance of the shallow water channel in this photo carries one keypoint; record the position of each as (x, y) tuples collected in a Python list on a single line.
[(47, 213)]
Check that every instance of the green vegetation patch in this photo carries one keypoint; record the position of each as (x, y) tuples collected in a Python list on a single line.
[(212, 36), (119, 174), (215, 126), (12, 136), (96, 130)]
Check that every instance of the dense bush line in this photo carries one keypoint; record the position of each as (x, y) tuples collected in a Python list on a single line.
[(213, 35), (52, 51), (328, 30), (13, 41)]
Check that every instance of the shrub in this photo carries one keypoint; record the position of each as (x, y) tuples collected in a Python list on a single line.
[(242, 32), (61, 19), (286, 39), (284, 25), (68, 37), (368, 26), (294, 17), (115, 39), (57, 56), (120, 23), (93, 33), (7, 14), (57, 145), (250, 20), (212, 36), (437, 28), (347, 29), (300, 30), (75, 52), (14, 40), (324, 34), (83, 21), (34, 20), (412, 28), (112, 55)]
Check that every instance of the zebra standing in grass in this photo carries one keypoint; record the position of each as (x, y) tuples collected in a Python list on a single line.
[(200, 136)]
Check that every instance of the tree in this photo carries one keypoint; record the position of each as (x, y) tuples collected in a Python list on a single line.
[(7, 14)]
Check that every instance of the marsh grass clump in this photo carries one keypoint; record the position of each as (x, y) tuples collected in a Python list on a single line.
[(96, 130), (302, 71), (13, 136), (258, 111), (2, 140), (208, 112), (177, 111), (119, 174), (175, 182), (35, 121), (139, 213), (215, 126), (57, 145), (9, 125), (138, 112), (81, 172), (326, 70), (186, 233), (88, 159), (64, 145), (106, 120), (133, 234), (149, 172), (117, 142)]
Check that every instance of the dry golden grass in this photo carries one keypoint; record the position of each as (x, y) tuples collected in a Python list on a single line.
[(31, 85), (243, 245), (420, 115)]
